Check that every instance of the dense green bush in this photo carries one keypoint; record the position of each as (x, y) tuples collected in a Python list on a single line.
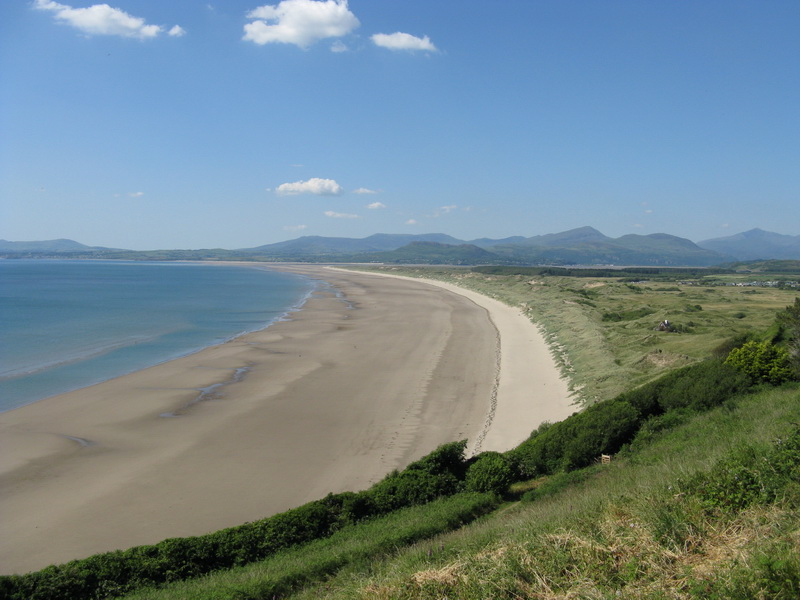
[(490, 472), (762, 362), (578, 440), (696, 387), (438, 474), (605, 427), (701, 386)]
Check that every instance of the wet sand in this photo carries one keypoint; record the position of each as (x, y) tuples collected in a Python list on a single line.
[(371, 374)]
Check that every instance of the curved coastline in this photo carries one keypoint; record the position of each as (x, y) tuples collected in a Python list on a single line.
[(530, 388), (370, 374)]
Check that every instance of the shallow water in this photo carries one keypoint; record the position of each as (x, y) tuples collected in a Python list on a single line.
[(68, 324)]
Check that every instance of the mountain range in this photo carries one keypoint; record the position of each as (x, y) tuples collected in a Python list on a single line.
[(584, 245)]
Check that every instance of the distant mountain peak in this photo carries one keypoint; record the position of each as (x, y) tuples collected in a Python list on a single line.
[(756, 244)]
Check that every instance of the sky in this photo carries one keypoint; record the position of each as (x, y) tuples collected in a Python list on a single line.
[(146, 124)]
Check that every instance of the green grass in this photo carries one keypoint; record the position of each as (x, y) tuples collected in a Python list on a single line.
[(352, 547), (626, 530)]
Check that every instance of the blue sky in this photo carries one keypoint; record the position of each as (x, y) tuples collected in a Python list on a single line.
[(146, 124)]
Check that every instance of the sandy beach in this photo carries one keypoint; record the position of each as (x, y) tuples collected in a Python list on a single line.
[(371, 374)]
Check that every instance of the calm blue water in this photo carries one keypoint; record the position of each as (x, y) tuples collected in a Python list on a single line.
[(68, 324)]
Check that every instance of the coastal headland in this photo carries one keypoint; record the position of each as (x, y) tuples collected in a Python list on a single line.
[(371, 374)]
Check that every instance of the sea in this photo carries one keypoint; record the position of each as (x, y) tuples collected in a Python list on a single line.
[(68, 324)]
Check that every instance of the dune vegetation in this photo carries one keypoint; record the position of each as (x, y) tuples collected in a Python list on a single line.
[(698, 496)]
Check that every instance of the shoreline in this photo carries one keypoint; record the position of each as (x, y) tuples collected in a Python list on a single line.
[(165, 358), (370, 374), (523, 355)]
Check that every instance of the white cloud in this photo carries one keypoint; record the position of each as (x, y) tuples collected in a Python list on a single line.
[(294, 227), (376, 205), (315, 185), (336, 215), (443, 210), (300, 22), (403, 41), (136, 194), (177, 31), (362, 190), (339, 46), (102, 19), (411, 222)]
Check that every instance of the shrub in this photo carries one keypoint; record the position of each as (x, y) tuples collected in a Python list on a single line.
[(762, 362), (411, 488), (490, 472), (605, 427), (578, 440), (446, 459), (701, 386)]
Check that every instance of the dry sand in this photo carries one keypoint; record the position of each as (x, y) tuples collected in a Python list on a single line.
[(371, 374)]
